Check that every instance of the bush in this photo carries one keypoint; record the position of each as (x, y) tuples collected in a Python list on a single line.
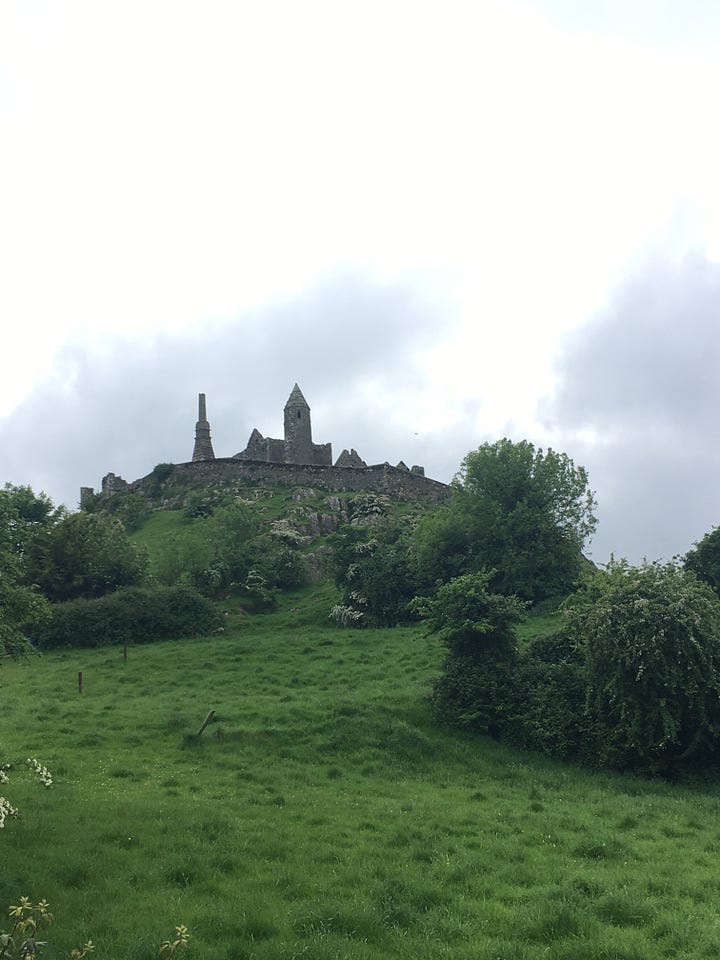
[(704, 559), (86, 555), (650, 636), (373, 568), (547, 710), (135, 614), (132, 509), (477, 627)]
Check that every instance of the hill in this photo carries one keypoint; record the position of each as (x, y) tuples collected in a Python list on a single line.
[(323, 814)]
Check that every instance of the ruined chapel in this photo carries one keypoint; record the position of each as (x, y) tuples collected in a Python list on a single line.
[(294, 460)]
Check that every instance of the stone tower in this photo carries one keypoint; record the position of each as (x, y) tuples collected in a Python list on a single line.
[(298, 431), (203, 444)]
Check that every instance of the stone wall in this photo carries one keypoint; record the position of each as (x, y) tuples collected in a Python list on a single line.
[(382, 478)]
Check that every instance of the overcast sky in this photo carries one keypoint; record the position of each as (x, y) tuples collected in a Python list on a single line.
[(448, 221)]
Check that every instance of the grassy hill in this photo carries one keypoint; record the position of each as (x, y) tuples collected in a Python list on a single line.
[(324, 815)]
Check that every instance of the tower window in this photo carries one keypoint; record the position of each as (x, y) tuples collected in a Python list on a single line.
[(299, 414)]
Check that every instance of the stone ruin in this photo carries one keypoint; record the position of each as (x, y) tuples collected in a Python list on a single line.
[(295, 460), (296, 447)]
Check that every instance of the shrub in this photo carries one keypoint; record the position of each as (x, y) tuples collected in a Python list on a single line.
[(477, 627), (132, 509), (547, 703), (373, 568), (136, 614), (704, 559), (86, 555), (650, 636)]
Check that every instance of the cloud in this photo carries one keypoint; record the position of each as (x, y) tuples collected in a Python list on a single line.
[(637, 396), (123, 407)]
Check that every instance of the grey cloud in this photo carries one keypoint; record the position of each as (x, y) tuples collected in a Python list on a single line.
[(132, 407), (637, 397)]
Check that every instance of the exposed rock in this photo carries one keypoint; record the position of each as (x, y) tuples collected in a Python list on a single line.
[(317, 563)]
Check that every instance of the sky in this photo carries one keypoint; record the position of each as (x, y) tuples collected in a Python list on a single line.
[(449, 222)]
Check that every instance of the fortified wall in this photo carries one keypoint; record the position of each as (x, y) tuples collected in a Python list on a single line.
[(295, 461)]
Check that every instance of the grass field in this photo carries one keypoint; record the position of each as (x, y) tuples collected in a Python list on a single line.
[(323, 815)]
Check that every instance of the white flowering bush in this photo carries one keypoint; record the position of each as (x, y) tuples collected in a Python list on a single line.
[(42, 773), (345, 616), (6, 808), (650, 636)]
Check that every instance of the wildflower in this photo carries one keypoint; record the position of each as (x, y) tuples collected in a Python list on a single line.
[(6, 810), (43, 774)]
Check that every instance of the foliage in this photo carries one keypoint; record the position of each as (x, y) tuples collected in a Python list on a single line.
[(651, 639), (198, 503), (477, 627), (344, 616), (43, 776), (547, 700), (373, 566), (522, 512), (23, 517), (169, 948), (228, 530), (135, 614), (29, 918), (704, 559), (86, 555), (243, 557), (162, 472), (132, 509)]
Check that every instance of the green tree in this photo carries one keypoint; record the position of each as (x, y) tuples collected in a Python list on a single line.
[(651, 641), (23, 516), (478, 629), (522, 512), (230, 529), (86, 555), (373, 566), (704, 559), (132, 509)]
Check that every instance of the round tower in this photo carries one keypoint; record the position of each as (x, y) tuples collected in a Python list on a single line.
[(203, 449), (298, 431)]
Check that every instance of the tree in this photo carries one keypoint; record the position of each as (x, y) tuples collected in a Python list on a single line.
[(86, 555), (651, 641), (373, 567), (523, 513), (704, 559), (478, 629), (23, 516)]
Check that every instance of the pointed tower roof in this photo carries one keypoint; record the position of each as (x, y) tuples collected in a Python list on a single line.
[(296, 399)]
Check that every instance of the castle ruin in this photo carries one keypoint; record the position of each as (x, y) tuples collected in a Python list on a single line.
[(293, 461), (297, 446)]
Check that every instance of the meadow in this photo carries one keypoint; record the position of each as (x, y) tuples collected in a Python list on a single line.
[(323, 814)]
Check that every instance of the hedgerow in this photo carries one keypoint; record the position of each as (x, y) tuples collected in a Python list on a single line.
[(134, 614)]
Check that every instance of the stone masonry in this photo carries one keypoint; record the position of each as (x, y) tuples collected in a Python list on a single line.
[(293, 461)]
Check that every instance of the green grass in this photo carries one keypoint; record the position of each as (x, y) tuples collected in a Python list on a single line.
[(174, 543), (324, 815)]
